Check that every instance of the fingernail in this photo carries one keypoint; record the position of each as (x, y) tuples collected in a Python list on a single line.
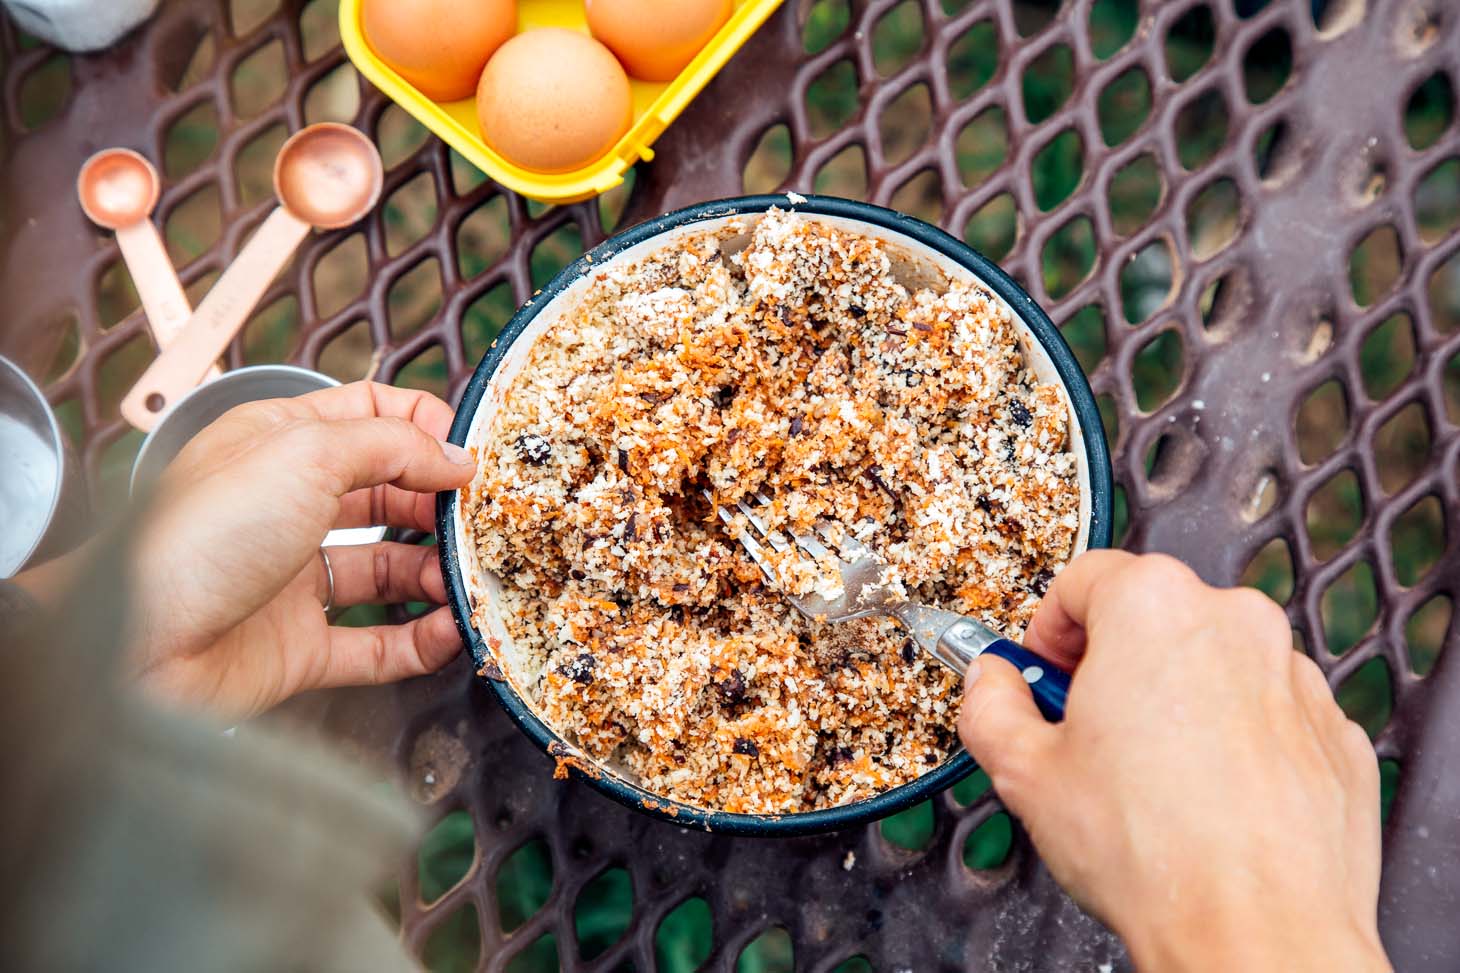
[(457, 454), (975, 669)]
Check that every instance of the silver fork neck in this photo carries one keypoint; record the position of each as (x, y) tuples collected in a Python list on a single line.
[(953, 639)]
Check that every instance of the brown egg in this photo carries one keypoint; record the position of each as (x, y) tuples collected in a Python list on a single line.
[(553, 100), (656, 38), (439, 46)]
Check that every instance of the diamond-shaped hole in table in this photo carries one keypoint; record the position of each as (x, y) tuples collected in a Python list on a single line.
[(1401, 447), (973, 58), (340, 276), (898, 37), (319, 28), (1334, 514), (192, 226), (1048, 82), (1271, 571), (993, 229), (253, 166), (1058, 169), (1267, 65), (1147, 281), (556, 250), (1367, 696), (334, 97), (682, 942), (844, 174), (826, 20), (832, 99), (259, 80), (1375, 265), (191, 140), (910, 830), (1417, 539), (904, 125), (1201, 128), (1084, 331), (1387, 356), (1213, 218), (1068, 256), (603, 912), (1426, 632), (537, 956), (920, 196), (446, 855), (414, 298), (770, 163), (770, 952), (45, 91), (455, 943), (1158, 369), (987, 846), (1112, 25), (1189, 42), (1123, 106), (1322, 422), (1436, 204), (1134, 192), (272, 332), (524, 883), (1429, 110), (409, 214), (982, 146), (1349, 607)]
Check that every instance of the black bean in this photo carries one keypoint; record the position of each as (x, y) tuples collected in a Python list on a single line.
[(909, 651), (797, 425), (534, 449), (732, 690), (580, 670), (623, 461), (922, 326), (631, 527), (857, 312), (1020, 413), (1041, 581), (747, 747)]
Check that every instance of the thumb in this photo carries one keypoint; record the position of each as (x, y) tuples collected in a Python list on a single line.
[(1004, 732)]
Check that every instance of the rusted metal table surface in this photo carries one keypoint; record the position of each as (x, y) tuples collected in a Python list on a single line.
[(1230, 327)]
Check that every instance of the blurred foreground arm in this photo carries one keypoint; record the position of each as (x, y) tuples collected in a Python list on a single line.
[(1205, 796), (231, 586)]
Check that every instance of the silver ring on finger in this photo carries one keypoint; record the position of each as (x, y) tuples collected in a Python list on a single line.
[(329, 576)]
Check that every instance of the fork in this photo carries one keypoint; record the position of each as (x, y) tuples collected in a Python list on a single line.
[(953, 639)]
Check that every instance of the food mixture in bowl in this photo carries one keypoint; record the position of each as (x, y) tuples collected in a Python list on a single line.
[(800, 368)]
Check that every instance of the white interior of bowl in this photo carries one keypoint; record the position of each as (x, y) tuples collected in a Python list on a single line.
[(916, 265)]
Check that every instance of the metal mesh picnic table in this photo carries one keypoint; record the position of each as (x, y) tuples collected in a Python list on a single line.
[(1243, 214)]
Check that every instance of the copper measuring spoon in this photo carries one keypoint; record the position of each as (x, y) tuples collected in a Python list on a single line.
[(118, 190), (326, 176)]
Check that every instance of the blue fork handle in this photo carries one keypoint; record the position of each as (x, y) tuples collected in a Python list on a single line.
[(1050, 685), (956, 640)]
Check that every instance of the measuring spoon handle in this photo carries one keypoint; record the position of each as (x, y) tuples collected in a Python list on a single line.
[(205, 337), (163, 299)]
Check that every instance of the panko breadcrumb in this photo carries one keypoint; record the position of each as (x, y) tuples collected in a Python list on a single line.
[(801, 368)]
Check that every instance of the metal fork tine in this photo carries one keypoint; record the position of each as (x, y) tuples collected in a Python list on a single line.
[(772, 537), (751, 545), (850, 548), (806, 542)]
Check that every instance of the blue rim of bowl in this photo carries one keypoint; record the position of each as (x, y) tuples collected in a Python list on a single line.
[(957, 766)]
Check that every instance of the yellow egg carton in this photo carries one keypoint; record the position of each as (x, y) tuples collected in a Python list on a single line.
[(656, 103)]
